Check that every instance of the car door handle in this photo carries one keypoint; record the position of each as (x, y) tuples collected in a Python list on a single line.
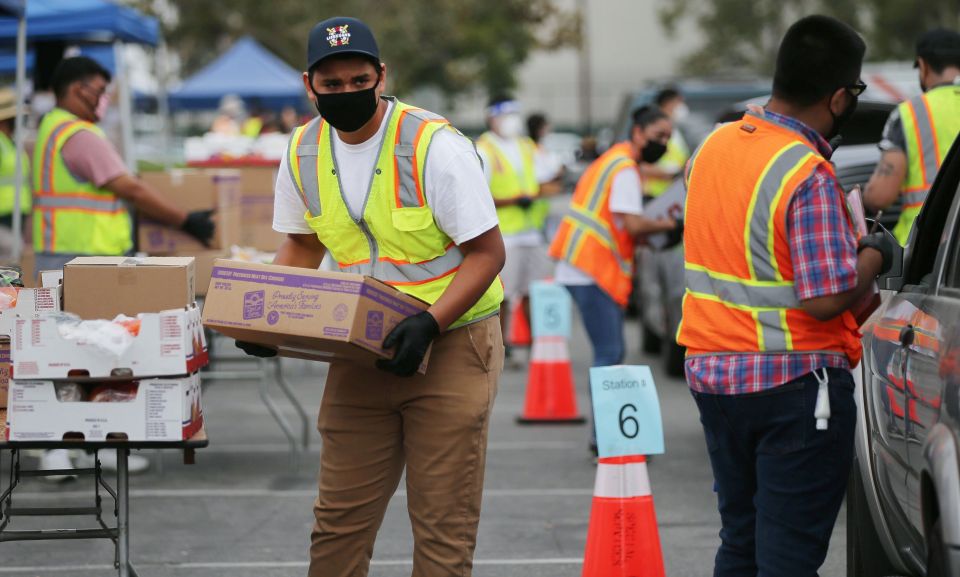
[(906, 335)]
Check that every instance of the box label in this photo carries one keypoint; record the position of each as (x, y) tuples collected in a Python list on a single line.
[(374, 330), (288, 280), (253, 305)]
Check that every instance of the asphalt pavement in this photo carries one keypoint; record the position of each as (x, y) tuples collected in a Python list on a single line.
[(243, 510)]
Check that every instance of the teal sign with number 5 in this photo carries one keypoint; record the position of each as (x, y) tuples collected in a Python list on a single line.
[(550, 309), (626, 411)]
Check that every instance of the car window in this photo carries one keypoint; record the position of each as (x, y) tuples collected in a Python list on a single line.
[(928, 239), (952, 264)]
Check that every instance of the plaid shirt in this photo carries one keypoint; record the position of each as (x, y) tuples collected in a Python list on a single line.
[(823, 248)]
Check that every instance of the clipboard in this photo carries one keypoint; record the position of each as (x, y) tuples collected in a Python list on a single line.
[(870, 302)]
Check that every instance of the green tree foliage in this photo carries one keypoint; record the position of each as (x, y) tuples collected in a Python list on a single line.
[(451, 45), (743, 35)]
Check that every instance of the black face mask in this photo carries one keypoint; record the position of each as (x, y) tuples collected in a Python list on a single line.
[(348, 111), (653, 151), (840, 119)]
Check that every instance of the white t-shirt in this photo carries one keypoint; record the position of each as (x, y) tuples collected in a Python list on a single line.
[(626, 197), (511, 150), (456, 190)]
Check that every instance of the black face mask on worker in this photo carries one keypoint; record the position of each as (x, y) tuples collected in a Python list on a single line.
[(840, 119), (653, 151), (348, 111)]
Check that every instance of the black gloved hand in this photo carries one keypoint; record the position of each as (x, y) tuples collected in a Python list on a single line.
[(674, 236), (881, 243), (524, 202), (199, 225), (411, 338), (255, 350)]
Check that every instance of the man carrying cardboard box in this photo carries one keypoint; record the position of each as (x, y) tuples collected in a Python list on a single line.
[(80, 182), (359, 182)]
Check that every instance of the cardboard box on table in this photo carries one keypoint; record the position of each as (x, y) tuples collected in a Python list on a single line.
[(29, 302), (166, 409), (304, 313), (168, 343), (193, 189), (106, 286)]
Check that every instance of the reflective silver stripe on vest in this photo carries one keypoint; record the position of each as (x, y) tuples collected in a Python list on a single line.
[(62, 201), (404, 152), (915, 198), (740, 293), (773, 337), (602, 183), (928, 143), (392, 272), (760, 229), (307, 157), (600, 231)]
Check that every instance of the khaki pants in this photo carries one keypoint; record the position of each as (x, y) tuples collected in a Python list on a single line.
[(372, 424)]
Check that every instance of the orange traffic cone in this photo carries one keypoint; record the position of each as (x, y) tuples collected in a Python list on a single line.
[(519, 325), (622, 539), (550, 392)]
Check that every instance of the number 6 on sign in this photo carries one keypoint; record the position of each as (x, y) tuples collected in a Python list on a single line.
[(626, 411)]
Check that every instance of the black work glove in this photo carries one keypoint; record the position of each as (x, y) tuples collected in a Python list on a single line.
[(882, 243), (524, 202), (199, 225), (255, 350), (411, 338), (675, 236)]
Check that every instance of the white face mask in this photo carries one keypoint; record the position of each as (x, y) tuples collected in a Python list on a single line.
[(681, 112), (510, 125)]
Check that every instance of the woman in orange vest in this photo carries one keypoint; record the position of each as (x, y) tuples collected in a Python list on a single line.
[(595, 240)]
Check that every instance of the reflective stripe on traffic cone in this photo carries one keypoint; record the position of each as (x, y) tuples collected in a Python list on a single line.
[(519, 334), (551, 397), (623, 540)]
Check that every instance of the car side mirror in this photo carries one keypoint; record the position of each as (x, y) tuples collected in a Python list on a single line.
[(892, 280)]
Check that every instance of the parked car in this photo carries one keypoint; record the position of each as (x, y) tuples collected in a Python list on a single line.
[(903, 502)]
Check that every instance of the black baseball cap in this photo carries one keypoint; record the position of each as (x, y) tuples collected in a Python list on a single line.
[(340, 35), (938, 44)]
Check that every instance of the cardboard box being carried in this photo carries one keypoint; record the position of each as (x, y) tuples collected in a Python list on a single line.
[(203, 262), (165, 344), (102, 287), (305, 313), (190, 190), (257, 184), (163, 410)]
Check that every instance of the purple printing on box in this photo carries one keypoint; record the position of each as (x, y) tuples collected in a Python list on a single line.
[(287, 280)]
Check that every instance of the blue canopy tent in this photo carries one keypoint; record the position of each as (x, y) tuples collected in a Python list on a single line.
[(81, 21), (248, 70)]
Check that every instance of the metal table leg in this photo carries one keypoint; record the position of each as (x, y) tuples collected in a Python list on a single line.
[(123, 515), (279, 418), (297, 405)]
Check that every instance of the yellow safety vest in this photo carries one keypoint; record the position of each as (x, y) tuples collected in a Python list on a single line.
[(71, 216), (674, 159), (8, 177), (395, 239), (931, 123), (506, 183)]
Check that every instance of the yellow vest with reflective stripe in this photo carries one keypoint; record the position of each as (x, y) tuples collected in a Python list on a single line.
[(506, 183), (395, 239), (8, 177), (673, 160), (931, 123), (71, 216)]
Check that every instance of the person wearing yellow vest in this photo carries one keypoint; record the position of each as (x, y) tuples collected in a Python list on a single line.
[(510, 165), (772, 268), (80, 185), (659, 175), (8, 172), (594, 244), (919, 132), (393, 191)]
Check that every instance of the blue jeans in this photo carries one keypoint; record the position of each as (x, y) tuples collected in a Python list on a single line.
[(603, 319), (779, 481)]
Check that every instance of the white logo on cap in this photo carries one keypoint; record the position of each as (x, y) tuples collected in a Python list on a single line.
[(338, 35)]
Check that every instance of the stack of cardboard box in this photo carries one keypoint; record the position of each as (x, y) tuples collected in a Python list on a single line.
[(156, 368)]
